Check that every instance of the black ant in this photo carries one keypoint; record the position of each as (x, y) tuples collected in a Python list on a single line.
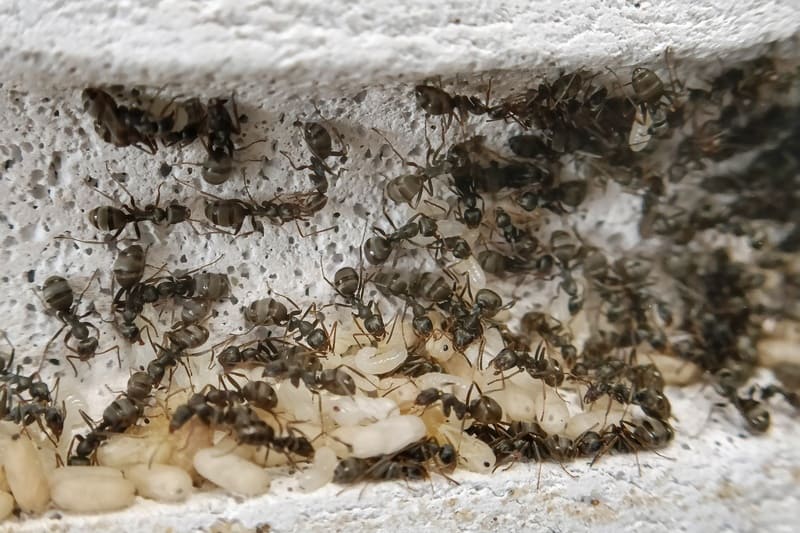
[(58, 297)]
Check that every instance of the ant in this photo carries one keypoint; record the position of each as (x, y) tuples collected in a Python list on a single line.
[(484, 409), (111, 122), (279, 210), (319, 141), (58, 297), (219, 145), (110, 218), (377, 249), (349, 284), (395, 284), (538, 366), (435, 101), (268, 311)]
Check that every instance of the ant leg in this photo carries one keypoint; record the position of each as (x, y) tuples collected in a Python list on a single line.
[(113, 348), (315, 232), (403, 159), (92, 278), (47, 346), (291, 162), (69, 360)]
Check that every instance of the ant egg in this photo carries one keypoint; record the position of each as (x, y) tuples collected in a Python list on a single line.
[(163, 483), (6, 505), (381, 438), (382, 360), (26, 475), (122, 450), (320, 473), (359, 410), (87, 492), (231, 472)]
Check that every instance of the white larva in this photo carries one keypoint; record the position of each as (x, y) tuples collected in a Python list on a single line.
[(444, 382), (359, 410), (231, 472), (381, 360), (459, 366), (484, 352), (473, 454), (187, 441), (402, 391), (516, 403), (774, 351), (470, 268), (163, 483), (344, 339), (640, 134), (676, 371), (439, 346), (25, 474), (69, 472), (73, 396), (297, 401), (555, 414), (383, 437), (320, 473), (227, 444), (364, 383), (122, 450), (3, 481), (84, 492), (583, 422), (268, 458), (6, 505)]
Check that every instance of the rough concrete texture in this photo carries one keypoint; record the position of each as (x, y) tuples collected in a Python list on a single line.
[(355, 59), (301, 44)]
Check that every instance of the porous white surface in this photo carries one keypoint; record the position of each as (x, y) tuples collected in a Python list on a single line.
[(279, 56)]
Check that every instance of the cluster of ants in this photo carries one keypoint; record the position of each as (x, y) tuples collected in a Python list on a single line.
[(678, 296)]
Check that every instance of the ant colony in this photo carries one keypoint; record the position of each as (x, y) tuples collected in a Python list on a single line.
[(489, 311)]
